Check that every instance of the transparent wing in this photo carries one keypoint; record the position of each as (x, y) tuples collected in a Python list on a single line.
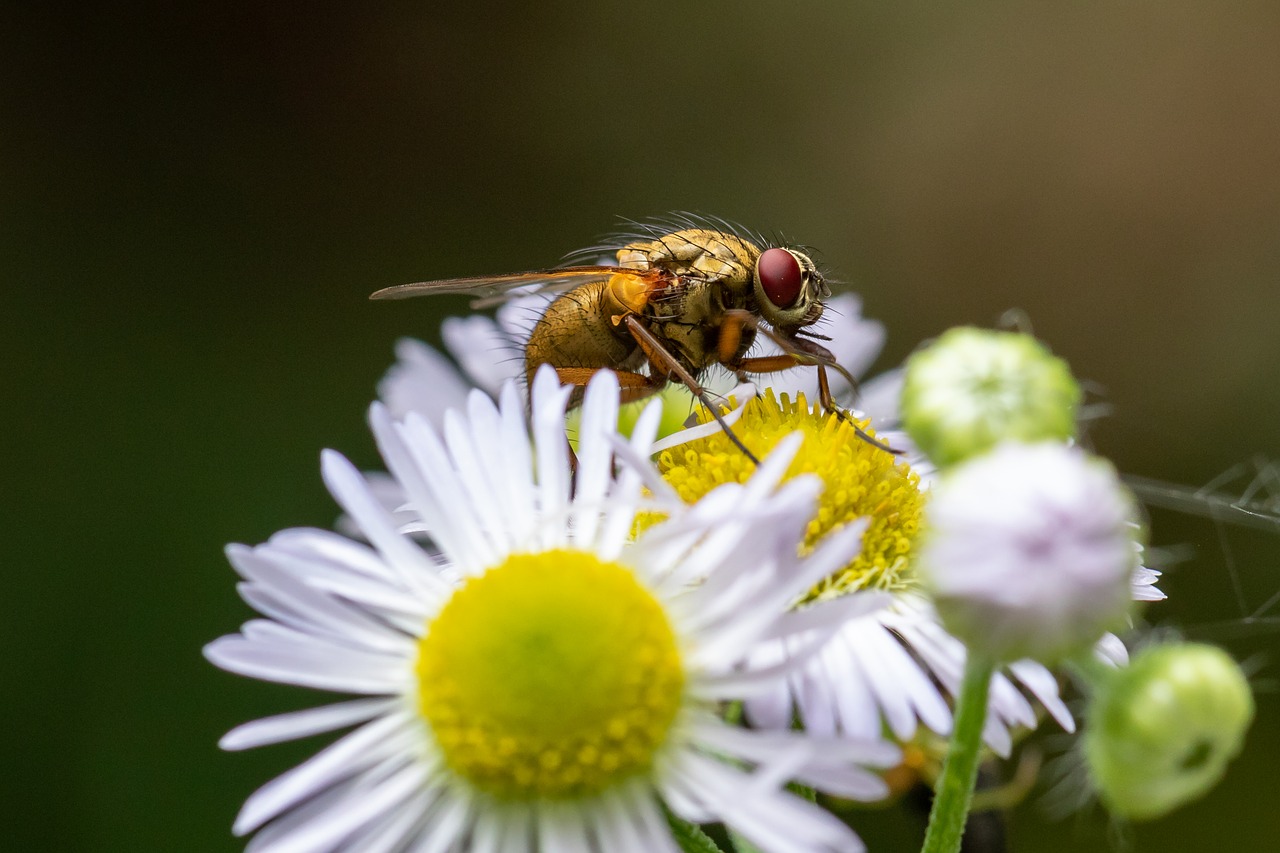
[(493, 289)]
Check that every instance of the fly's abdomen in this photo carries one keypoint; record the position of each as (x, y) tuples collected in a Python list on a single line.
[(577, 330)]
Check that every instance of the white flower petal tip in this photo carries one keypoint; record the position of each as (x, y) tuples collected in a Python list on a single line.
[(422, 380), (487, 354), (1030, 551)]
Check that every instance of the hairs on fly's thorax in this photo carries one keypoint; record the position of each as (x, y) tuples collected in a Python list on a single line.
[(659, 227)]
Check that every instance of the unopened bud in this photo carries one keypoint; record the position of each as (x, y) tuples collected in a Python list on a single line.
[(973, 388), (1161, 731), (1029, 551)]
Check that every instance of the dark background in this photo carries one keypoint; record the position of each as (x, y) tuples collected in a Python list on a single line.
[(197, 200)]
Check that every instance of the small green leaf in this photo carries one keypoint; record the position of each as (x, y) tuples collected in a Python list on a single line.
[(804, 792), (690, 837)]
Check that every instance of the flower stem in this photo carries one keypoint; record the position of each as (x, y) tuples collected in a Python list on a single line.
[(960, 771)]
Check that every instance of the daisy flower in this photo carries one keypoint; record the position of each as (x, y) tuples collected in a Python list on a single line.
[(549, 680), (895, 666)]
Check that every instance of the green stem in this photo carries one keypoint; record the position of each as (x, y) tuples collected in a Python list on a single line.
[(960, 771)]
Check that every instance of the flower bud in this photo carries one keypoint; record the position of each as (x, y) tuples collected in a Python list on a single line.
[(1161, 731), (972, 388), (1029, 551)]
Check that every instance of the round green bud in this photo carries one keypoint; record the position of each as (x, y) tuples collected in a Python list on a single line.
[(1161, 731), (973, 388)]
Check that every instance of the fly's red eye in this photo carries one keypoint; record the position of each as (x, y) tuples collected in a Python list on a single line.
[(780, 277)]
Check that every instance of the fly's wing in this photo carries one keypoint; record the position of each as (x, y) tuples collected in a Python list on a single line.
[(494, 289)]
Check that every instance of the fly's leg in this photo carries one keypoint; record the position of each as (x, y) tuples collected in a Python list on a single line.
[(665, 365), (631, 386), (796, 352)]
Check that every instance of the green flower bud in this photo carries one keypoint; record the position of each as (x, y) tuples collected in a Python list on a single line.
[(1161, 731), (972, 388)]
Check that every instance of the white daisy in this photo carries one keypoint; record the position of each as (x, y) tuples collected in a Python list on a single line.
[(895, 666), (549, 681)]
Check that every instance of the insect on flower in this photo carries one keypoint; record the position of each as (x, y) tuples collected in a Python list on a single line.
[(683, 296)]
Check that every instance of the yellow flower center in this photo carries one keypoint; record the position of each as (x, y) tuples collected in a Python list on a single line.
[(859, 480), (552, 675)]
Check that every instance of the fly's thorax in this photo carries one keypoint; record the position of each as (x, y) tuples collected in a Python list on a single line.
[(578, 330), (687, 317), (697, 254)]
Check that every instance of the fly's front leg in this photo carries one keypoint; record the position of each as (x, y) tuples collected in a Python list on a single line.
[(664, 364), (796, 352)]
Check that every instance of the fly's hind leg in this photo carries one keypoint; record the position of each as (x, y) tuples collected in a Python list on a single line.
[(664, 365), (631, 387), (796, 352)]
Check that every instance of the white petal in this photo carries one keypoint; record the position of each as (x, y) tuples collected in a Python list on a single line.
[(624, 821), (595, 456), (367, 802), (395, 831), (561, 828), (809, 753), (291, 602), (516, 453), (475, 482), (437, 491), (363, 748), (422, 381), (551, 449), (488, 356), (901, 690), (1044, 686), (307, 662), (1111, 650), (518, 316), (305, 723), (509, 514), (879, 397), (446, 823), (349, 490), (772, 820), (745, 392)]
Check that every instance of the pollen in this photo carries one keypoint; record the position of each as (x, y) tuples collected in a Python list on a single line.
[(552, 675), (859, 481)]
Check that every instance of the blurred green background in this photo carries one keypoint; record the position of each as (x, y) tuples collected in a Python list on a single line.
[(198, 198)]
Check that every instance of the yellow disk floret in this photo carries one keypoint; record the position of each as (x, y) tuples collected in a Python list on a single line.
[(859, 480), (553, 675)]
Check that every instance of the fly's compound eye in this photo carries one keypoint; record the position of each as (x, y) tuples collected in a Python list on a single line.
[(780, 276)]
